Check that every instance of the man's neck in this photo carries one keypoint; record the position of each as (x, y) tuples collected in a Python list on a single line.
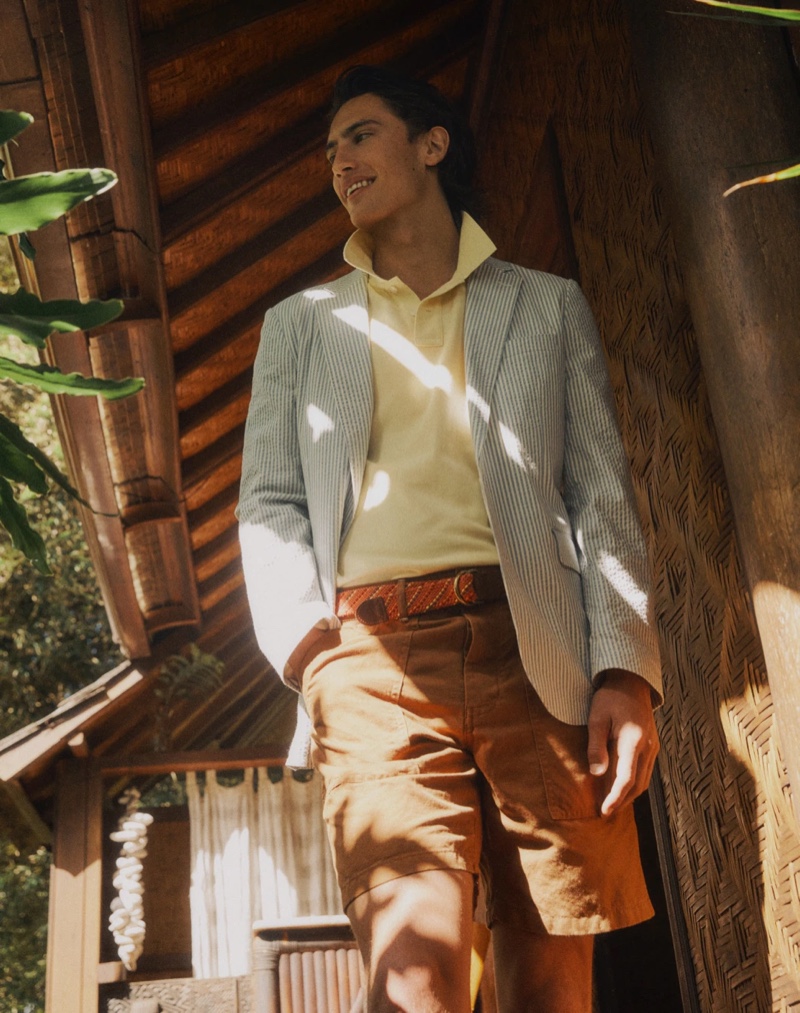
[(422, 252)]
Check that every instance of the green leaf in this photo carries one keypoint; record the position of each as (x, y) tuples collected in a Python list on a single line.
[(28, 202), (53, 381), (12, 123), (17, 466), (23, 537), (770, 12), (770, 177), (32, 320), (11, 432)]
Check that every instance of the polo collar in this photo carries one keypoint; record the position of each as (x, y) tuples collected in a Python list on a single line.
[(474, 247)]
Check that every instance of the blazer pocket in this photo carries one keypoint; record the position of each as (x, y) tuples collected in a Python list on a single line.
[(565, 545)]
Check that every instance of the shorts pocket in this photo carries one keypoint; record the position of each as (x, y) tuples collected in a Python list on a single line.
[(351, 688), (572, 792), (314, 658)]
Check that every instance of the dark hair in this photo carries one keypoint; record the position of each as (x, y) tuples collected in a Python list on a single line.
[(421, 106)]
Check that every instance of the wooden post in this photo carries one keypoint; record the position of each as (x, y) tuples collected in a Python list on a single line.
[(73, 941), (723, 100)]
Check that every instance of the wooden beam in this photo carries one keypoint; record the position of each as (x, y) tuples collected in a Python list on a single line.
[(481, 86), (257, 248), (77, 419), (720, 95), (79, 746), (111, 971), (398, 24), (238, 328), (204, 759), (73, 940), (205, 421), (270, 160), (672, 894), (112, 42), (83, 439), (216, 554), (178, 41), (35, 748), (20, 821)]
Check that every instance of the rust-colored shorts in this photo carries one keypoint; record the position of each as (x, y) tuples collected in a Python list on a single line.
[(436, 753)]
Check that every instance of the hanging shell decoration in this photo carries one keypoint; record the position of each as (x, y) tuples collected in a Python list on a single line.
[(127, 908)]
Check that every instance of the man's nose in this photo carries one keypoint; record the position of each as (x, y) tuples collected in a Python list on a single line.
[(341, 162)]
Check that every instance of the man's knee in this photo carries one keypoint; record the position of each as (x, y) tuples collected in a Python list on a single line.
[(414, 933)]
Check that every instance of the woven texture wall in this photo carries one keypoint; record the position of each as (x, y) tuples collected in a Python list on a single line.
[(736, 845)]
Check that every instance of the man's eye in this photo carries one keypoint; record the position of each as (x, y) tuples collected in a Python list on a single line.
[(358, 138)]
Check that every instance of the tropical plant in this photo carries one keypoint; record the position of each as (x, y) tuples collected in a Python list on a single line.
[(27, 203), (23, 928), (780, 18), (54, 639), (183, 676)]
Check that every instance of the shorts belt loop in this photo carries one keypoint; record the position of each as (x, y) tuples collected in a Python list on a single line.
[(402, 604)]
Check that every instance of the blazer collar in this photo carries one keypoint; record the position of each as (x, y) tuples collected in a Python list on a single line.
[(343, 323)]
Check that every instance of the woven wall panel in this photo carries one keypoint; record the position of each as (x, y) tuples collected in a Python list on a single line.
[(736, 845)]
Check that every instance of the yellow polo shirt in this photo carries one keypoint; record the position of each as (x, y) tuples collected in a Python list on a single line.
[(421, 508)]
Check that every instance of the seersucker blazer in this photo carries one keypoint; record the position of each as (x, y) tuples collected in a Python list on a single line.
[(553, 473)]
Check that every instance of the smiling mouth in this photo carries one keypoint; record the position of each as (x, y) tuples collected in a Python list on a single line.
[(354, 187)]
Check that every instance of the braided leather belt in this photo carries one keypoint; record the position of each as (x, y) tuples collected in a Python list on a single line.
[(398, 599)]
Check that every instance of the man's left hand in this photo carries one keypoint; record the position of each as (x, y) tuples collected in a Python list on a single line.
[(623, 741)]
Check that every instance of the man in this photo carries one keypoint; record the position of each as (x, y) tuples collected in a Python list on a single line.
[(442, 553)]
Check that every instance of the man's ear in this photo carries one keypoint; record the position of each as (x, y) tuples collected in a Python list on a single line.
[(437, 142)]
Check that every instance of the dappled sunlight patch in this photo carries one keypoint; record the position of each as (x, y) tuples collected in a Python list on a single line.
[(624, 584), (319, 422), (378, 491), (354, 316), (474, 398), (431, 375), (515, 450)]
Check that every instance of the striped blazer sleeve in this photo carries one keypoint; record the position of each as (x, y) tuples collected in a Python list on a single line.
[(599, 497), (278, 558)]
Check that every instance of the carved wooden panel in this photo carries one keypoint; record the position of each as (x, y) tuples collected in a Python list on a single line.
[(183, 995)]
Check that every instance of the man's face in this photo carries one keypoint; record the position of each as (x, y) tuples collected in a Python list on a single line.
[(378, 173)]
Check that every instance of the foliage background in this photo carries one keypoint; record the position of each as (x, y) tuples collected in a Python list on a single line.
[(54, 639)]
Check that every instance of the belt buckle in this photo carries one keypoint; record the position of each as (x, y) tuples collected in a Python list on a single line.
[(457, 587)]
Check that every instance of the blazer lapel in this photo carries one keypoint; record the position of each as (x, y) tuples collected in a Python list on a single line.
[(491, 294), (343, 324)]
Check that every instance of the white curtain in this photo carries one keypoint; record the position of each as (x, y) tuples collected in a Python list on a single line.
[(255, 854)]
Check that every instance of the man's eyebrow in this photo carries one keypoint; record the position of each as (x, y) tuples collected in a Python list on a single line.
[(349, 131)]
